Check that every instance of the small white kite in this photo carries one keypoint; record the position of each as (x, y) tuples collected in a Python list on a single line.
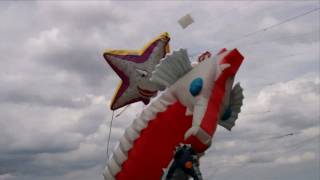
[(185, 21)]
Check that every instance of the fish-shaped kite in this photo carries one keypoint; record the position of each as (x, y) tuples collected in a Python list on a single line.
[(195, 99)]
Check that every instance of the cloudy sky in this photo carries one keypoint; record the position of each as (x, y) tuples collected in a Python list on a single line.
[(56, 87)]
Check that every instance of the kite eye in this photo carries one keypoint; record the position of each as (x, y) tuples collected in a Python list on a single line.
[(142, 72), (196, 86)]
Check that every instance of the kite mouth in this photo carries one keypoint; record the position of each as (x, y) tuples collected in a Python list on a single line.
[(146, 93)]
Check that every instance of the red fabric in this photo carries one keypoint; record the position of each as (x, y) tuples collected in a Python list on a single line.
[(197, 145), (210, 120), (154, 149)]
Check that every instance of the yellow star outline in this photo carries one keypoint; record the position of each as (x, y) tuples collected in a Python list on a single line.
[(164, 36)]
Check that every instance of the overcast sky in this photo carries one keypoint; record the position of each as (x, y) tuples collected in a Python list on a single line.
[(56, 87)]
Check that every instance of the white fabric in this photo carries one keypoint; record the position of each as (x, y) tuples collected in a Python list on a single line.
[(138, 124), (171, 68), (107, 174), (125, 145), (113, 167), (176, 73), (131, 134), (120, 156)]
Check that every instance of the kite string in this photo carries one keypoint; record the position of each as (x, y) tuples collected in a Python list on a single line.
[(123, 110), (273, 25), (293, 148), (110, 128), (262, 30), (109, 135), (232, 165)]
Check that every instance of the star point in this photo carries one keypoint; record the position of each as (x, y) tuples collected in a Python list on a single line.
[(134, 67)]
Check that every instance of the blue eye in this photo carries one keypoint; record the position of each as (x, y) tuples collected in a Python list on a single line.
[(196, 86)]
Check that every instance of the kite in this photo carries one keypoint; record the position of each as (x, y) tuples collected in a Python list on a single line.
[(135, 68), (194, 100), (185, 21)]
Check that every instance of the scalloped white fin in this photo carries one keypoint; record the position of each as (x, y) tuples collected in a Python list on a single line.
[(236, 101), (119, 156), (107, 174), (138, 124), (171, 68), (113, 167), (132, 133), (147, 115), (237, 96), (125, 145), (167, 98)]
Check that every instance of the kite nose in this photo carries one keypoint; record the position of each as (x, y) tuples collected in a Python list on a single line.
[(233, 58)]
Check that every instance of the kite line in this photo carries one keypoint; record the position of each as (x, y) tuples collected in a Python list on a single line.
[(109, 135), (267, 28)]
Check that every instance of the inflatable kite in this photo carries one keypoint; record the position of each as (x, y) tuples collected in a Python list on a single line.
[(135, 68), (182, 119)]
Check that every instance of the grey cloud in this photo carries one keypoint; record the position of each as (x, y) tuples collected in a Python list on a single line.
[(83, 60), (51, 60), (32, 98), (81, 16), (85, 37), (261, 140), (6, 176), (89, 123)]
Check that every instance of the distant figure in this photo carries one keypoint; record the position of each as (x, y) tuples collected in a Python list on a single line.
[(184, 165)]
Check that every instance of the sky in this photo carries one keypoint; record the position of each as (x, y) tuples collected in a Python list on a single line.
[(56, 87)]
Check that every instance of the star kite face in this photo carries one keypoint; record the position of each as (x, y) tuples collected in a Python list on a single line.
[(135, 69)]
